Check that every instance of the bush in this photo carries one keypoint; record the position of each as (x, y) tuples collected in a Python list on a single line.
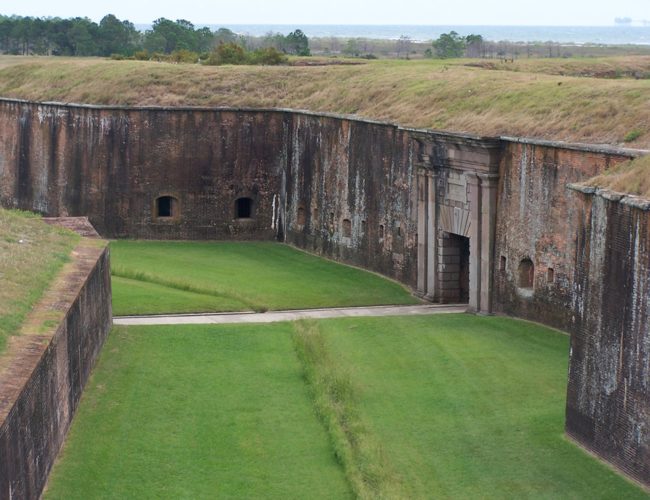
[(633, 135), (269, 56), (231, 53), (158, 57), (227, 53), (183, 56), (141, 55)]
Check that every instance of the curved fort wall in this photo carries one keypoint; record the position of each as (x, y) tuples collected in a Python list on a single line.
[(453, 216)]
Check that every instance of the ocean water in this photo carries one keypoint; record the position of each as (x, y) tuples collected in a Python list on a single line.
[(610, 35)]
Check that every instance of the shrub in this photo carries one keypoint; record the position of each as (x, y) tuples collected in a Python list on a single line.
[(141, 55), (227, 53), (269, 56), (633, 135), (184, 56)]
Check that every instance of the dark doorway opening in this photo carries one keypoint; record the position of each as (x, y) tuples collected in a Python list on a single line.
[(243, 208), (463, 274), (454, 268)]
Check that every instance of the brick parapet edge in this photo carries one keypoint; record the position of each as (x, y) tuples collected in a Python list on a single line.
[(44, 370), (623, 198)]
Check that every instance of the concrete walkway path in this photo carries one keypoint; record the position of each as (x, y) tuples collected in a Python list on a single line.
[(274, 316)]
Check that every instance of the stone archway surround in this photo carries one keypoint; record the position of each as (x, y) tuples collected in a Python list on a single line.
[(457, 193)]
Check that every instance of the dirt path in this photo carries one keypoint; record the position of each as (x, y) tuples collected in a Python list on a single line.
[(274, 316)]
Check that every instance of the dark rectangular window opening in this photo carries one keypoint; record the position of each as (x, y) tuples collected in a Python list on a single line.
[(166, 206), (243, 208)]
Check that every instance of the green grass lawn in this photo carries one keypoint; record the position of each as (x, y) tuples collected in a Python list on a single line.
[(468, 407), (449, 406), (152, 277), (198, 412)]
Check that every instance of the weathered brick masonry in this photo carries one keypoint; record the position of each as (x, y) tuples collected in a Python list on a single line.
[(608, 403), (112, 164), (42, 374), (450, 215), (349, 193), (538, 219)]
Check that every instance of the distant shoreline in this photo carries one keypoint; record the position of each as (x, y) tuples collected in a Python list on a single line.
[(575, 35)]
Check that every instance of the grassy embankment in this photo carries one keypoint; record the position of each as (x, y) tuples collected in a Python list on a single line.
[(535, 98), (631, 177), (31, 254), (152, 277), (636, 67), (440, 406)]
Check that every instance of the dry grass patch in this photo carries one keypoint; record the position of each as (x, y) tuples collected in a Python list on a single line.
[(631, 177), (603, 67), (31, 253), (445, 95)]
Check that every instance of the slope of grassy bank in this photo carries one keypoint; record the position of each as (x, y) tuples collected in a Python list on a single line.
[(31, 253), (448, 95), (152, 277), (631, 177), (637, 67)]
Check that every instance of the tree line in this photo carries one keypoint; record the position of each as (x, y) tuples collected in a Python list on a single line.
[(81, 36), (181, 41)]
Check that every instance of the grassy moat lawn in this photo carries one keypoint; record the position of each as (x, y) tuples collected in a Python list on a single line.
[(449, 406), (153, 277)]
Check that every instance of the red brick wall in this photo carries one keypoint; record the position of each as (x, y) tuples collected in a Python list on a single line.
[(110, 164), (44, 377), (345, 170), (538, 218), (608, 396)]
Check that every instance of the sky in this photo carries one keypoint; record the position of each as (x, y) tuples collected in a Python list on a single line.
[(304, 12)]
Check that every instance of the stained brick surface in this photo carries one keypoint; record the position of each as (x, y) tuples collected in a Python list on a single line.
[(608, 397), (538, 218), (347, 189), (42, 376)]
